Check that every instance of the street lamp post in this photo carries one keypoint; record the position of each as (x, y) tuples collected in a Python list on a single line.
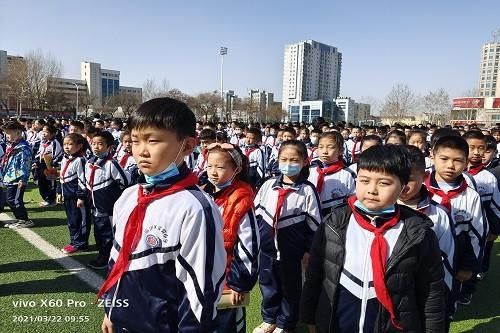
[(76, 110), (222, 52)]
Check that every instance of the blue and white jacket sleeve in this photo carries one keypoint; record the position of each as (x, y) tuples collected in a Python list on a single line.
[(245, 264), (493, 210), (81, 192), (200, 266), (313, 214), (119, 175)]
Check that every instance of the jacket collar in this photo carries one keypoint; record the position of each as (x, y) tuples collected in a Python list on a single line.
[(183, 172), (278, 183)]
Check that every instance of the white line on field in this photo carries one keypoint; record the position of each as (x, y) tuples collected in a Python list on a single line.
[(73, 266)]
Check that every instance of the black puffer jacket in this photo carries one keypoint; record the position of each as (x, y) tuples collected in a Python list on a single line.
[(414, 276)]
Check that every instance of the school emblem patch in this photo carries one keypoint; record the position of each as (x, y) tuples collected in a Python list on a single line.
[(152, 241), (155, 236)]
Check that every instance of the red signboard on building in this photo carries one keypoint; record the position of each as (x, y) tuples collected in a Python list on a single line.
[(468, 103), (496, 103)]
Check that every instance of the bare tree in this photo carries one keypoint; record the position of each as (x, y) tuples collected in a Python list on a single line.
[(129, 103), (437, 106), (471, 92), (206, 105), (152, 89), (275, 113), (17, 82), (400, 102)]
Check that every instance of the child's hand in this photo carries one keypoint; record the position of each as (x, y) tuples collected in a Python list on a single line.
[(80, 203), (236, 297), (305, 260), (107, 325), (311, 328), (20, 184), (463, 275), (492, 237), (34, 166), (59, 199)]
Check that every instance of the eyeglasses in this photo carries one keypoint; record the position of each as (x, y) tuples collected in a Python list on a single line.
[(225, 146)]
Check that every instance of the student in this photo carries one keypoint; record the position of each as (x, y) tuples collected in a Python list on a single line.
[(313, 146), (168, 260), (206, 137), (228, 185), (367, 142), (272, 164), (487, 187), (417, 197), (333, 180), (255, 155), (105, 182), (447, 186), (288, 213), (354, 145), (396, 137), (47, 160), (72, 192), (490, 160), (125, 158), (15, 169), (358, 279), (418, 139)]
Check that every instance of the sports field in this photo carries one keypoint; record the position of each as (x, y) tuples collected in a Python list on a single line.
[(38, 295)]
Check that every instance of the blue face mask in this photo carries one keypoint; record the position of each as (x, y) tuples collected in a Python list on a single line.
[(289, 169), (226, 184), (388, 210), (170, 171)]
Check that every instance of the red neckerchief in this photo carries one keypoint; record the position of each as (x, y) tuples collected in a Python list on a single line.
[(474, 170), (313, 149), (249, 151), (282, 194), (93, 168), (378, 254), (133, 229), (8, 152), (204, 155), (353, 155), (44, 148), (335, 167), (446, 196), (124, 159), (66, 165)]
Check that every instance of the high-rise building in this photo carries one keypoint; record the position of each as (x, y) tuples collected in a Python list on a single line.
[(311, 72), (490, 70), (261, 99), (104, 83)]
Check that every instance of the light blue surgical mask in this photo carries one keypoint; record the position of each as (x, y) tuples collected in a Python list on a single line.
[(226, 184), (170, 171), (290, 169), (388, 210)]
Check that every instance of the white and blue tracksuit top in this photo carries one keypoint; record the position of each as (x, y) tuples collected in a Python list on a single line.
[(176, 274), (299, 218), (72, 183)]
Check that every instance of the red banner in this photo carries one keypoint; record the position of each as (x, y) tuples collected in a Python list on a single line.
[(468, 103), (496, 103)]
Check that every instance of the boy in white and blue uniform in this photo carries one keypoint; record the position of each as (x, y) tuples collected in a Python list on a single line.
[(173, 275), (15, 169), (207, 136), (256, 156), (105, 182), (49, 148)]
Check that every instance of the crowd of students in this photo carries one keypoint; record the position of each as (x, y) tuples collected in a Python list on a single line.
[(345, 228)]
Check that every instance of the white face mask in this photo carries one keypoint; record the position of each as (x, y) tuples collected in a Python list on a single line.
[(314, 140)]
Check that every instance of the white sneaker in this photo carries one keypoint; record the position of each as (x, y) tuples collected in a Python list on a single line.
[(22, 224), (280, 330), (7, 224), (265, 328)]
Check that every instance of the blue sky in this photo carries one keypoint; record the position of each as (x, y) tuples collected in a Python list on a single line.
[(426, 44)]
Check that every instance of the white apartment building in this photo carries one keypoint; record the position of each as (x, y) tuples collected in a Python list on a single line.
[(489, 70), (311, 71)]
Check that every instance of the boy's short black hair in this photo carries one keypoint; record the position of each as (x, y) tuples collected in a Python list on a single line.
[(416, 158), (400, 135), (442, 132), (13, 126), (335, 136), (108, 137), (207, 134), (255, 131), (290, 130), (165, 113), (52, 129), (371, 137), (389, 159), (118, 122), (221, 137), (474, 134), (452, 142), (491, 143), (422, 134), (316, 130), (78, 124), (91, 130)]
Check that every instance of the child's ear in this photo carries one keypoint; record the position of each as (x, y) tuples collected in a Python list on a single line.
[(189, 145)]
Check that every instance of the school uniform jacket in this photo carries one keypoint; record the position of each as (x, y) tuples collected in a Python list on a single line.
[(338, 293), (469, 223), (445, 233), (257, 163), (299, 218), (176, 274), (52, 147), (337, 187), (487, 187), (108, 184), (17, 166), (72, 182), (353, 150)]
